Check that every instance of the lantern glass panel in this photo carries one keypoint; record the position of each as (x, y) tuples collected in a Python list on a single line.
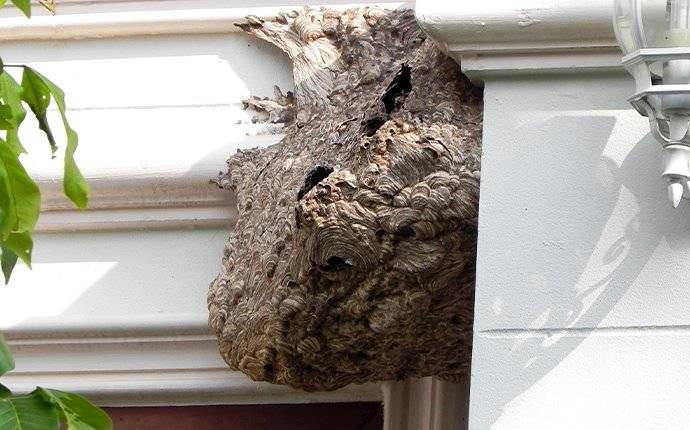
[(677, 28), (652, 24), (624, 22), (654, 17)]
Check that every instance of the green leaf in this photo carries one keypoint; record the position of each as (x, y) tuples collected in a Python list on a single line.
[(76, 411), (24, 6), (21, 245), (2, 3), (5, 116), (4, 392), (73, 183), (36, 94), (6, 360), (7, 261), (20, 200), (11, 93), (30, 412)]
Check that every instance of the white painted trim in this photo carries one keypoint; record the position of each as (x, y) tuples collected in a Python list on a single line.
[(94, 327), (183, 387), (136, 198), (152, 186), (139, 219), (523, 36), (145, 361), (137, 22)]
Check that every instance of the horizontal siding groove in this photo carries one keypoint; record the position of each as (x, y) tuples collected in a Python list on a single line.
[(143, 197), (101, 24), (651, 330), (137, 219), (143, 360), (186, 387), (148, 186), (154, 107), (91, 326)]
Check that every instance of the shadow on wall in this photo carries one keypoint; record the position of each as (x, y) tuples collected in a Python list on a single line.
[(576, 287)]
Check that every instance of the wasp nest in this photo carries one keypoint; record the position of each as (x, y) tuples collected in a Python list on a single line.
[(353, 256)]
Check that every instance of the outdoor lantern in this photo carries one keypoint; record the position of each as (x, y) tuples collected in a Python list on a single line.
[(655, 38)]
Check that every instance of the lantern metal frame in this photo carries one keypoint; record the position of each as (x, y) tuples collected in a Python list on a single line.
[(666, 105), (647, 98)]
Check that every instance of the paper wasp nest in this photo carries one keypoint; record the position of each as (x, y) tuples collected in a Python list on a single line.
[(353, 259)]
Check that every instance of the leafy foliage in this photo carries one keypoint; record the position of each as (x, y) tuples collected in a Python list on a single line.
[(28, 412), (74, 184), (24, 6), (6, 361), (20, 198), (20, 204), (75, 411), (44, 409)]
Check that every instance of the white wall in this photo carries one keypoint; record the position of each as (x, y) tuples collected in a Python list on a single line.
[(582, 300), (582, 295)]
